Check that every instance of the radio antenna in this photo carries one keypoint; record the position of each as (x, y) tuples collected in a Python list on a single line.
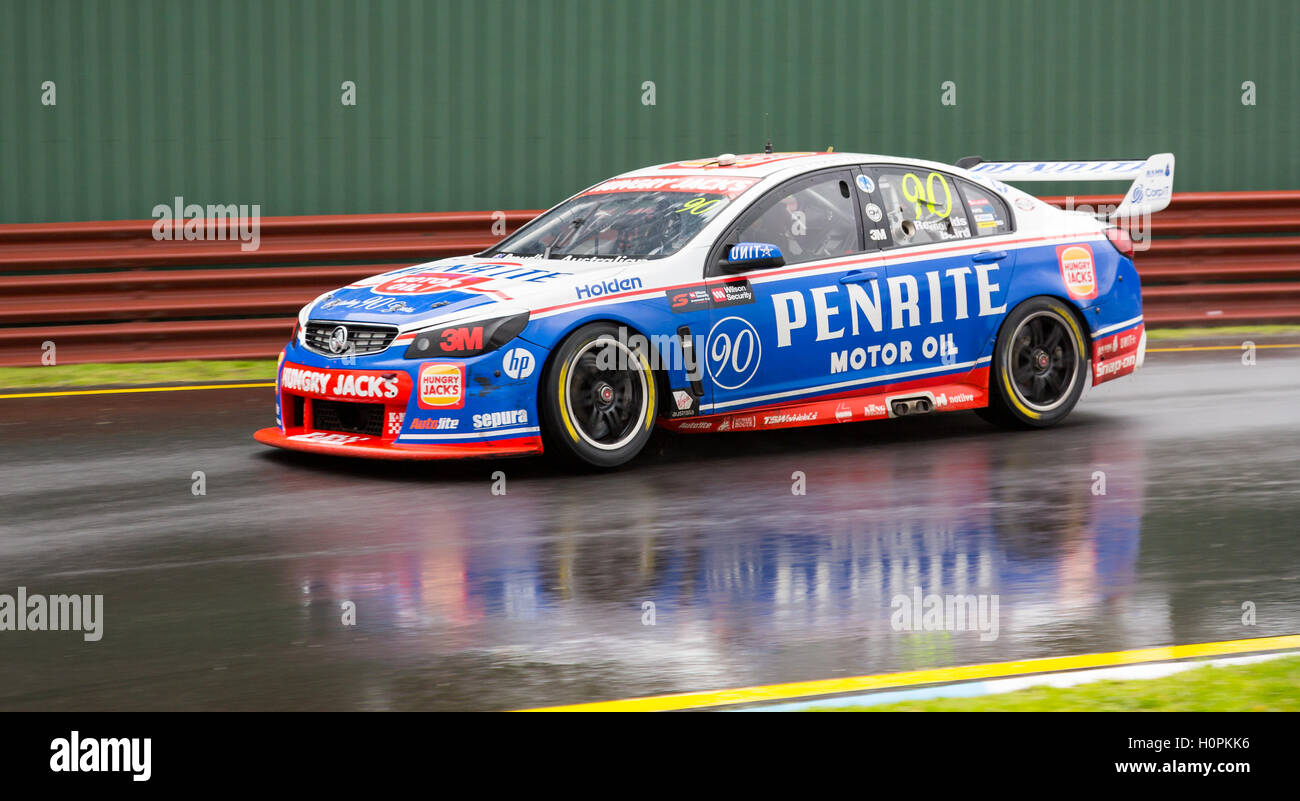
[(767, 131)]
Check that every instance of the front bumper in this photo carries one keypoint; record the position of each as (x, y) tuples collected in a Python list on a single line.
[(387, 407), (364, 447)]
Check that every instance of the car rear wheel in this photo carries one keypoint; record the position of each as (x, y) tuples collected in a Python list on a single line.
[(1039, 366), (598, 398)]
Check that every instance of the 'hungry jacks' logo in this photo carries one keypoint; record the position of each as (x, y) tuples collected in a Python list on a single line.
[(442, 386), (1077, 271)]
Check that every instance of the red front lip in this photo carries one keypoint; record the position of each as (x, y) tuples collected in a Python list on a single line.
[(376, 448)]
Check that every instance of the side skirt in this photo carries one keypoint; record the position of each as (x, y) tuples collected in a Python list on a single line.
[(948, 394)]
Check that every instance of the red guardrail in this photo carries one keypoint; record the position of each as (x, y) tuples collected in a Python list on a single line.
[(107, 291)]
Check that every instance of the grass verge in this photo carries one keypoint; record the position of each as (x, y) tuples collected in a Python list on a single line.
[(1271, 686), (1232, 331), (141, 374)]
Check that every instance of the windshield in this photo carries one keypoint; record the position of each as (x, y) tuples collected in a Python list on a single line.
[(626, 218)]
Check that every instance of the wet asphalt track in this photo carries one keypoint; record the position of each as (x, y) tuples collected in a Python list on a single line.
[(469, 600)]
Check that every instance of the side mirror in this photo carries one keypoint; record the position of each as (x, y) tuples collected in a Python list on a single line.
[(752, 256)]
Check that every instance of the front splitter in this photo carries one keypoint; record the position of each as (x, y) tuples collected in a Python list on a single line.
[(363, 447)]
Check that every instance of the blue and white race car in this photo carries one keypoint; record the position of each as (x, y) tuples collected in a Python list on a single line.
[(734, 293)]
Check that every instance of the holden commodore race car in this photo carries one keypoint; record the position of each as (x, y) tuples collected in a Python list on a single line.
[(735, 293)]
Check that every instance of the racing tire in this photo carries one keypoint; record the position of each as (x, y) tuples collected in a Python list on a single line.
[(598, 398), (1040, 366)]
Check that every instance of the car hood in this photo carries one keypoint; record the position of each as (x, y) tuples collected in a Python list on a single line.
[(461, 288)]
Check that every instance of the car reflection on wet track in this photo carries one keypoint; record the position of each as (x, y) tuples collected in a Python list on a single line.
[(1147, 519)]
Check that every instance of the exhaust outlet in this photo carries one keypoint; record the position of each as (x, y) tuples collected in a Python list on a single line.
[(909, 406)]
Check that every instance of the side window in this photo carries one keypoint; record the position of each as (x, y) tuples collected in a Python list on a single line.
[(921, 206), (988, 212), (812, 218)]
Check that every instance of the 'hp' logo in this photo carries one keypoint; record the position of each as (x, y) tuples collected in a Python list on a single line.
[(518, 363)]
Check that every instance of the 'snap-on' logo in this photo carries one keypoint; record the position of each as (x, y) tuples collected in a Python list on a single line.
[(1078, 271)]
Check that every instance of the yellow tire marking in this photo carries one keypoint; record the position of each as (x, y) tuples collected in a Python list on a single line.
[(650, 392), (564, 403), (1010, 390), (1011, 394), (805, 689), (131, 390)]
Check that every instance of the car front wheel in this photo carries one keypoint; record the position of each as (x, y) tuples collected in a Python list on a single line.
[(598, 397)]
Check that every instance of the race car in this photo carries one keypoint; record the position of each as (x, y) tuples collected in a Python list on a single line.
[(729, 294)]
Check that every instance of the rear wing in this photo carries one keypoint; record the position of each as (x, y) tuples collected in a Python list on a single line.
[(1151, 190)]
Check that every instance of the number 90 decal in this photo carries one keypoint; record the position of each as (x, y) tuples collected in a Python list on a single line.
[(734, 352), (698, 205), (914, 191)]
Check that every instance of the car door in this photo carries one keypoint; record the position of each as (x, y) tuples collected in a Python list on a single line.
[(946, 292), (790, 332)]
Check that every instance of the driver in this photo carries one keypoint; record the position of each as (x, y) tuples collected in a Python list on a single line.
[(804, 233), (780, 225)]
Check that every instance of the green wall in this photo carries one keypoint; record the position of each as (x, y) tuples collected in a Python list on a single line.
[(513, 104)]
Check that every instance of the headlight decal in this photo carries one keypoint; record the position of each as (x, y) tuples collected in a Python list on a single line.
[(466, 339)]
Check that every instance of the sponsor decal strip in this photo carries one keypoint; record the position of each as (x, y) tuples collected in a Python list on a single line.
[(853, 383), (825, 687), (867, 404), (730, 186)]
